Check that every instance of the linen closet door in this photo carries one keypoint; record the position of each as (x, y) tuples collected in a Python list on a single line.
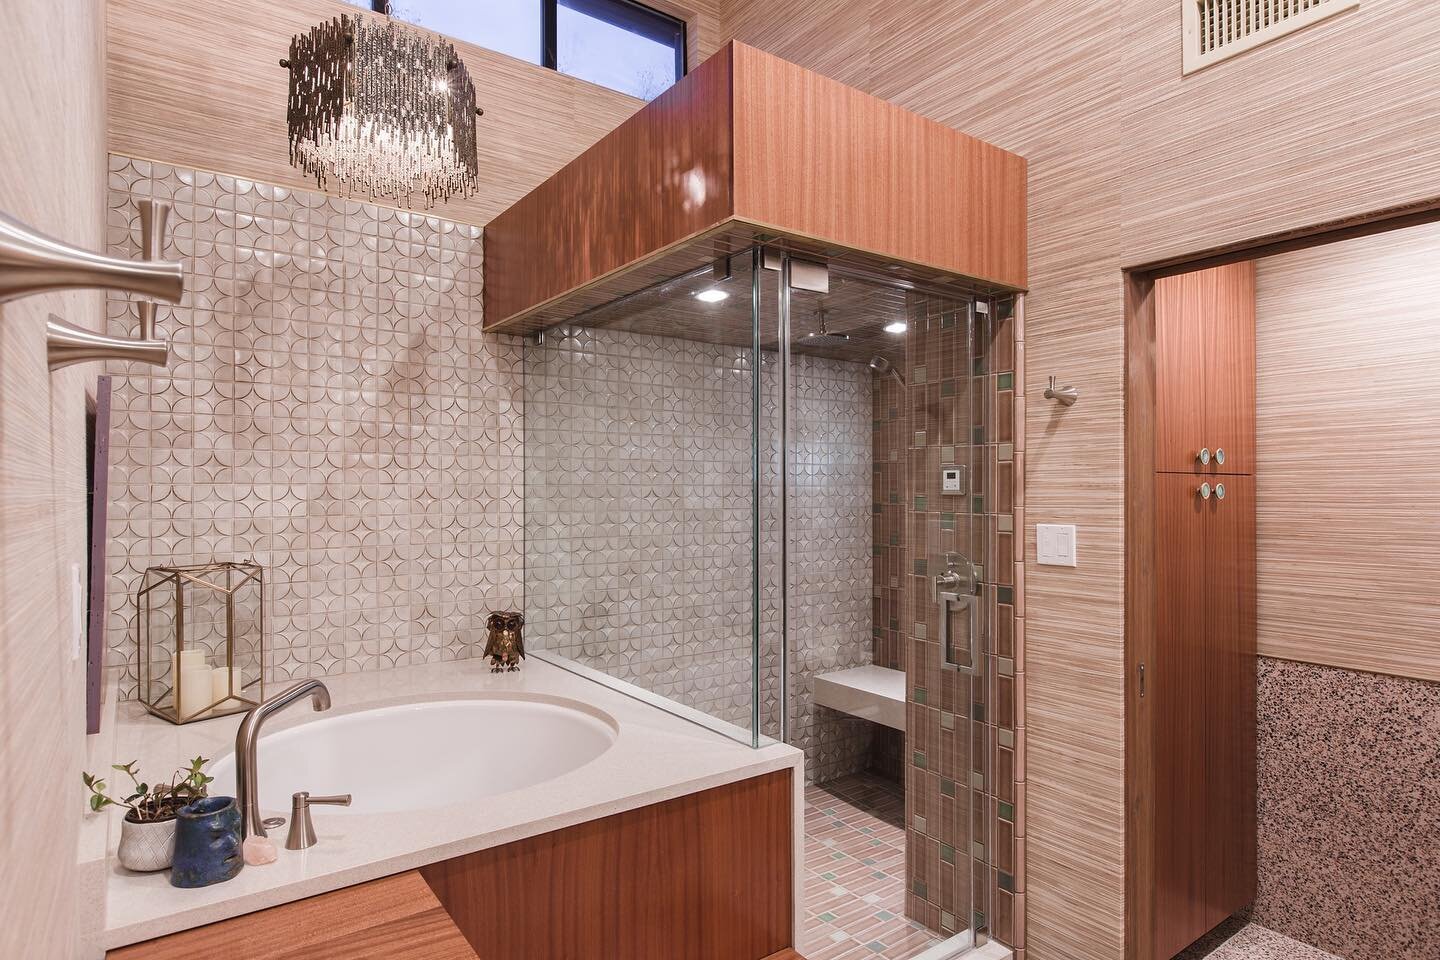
[(1228, 669), (1176, 681)]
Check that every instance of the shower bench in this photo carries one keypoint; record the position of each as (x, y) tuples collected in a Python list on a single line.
[(870, 692)]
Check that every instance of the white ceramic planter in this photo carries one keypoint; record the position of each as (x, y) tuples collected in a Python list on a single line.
[(146, 847)]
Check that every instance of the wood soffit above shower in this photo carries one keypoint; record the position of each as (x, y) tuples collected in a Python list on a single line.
[(746, 147)]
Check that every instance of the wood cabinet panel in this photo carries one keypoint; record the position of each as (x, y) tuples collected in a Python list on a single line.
[(394, 918), (1205, 370), (1202, 707), (1180, 370), (1228, 665), (705, 877), (1179, 716), (1230, 367)]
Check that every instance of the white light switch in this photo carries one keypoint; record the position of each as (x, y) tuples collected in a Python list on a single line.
[(1055, 544)]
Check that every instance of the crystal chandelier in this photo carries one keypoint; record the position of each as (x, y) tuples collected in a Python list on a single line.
[(381, 109)]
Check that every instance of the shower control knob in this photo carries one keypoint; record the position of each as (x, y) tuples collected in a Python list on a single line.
[(1219, 491), (1204, 491), (1220, 455), (1203, 456)]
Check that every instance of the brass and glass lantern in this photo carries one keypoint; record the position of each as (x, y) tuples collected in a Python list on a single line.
[(381, 108), (201, 632)]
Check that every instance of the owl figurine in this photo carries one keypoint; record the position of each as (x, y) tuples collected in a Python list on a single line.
[(505, 646)]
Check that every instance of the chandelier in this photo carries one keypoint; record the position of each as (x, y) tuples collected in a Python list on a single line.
[(382, 109)]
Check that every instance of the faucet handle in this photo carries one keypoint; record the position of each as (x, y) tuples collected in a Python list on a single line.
[(302, 831)]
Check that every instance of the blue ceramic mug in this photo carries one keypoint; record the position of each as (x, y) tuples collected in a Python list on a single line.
[(207, 843)]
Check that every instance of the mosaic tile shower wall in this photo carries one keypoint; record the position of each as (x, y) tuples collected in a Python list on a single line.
[(639, 525), (963, 780), (331, 410)]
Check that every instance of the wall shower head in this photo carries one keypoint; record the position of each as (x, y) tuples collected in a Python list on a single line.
[(883, 367)]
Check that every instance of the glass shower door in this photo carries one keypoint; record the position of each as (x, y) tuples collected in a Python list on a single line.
[(873, 508)]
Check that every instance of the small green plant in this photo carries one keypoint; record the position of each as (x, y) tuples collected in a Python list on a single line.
[(150, 802)]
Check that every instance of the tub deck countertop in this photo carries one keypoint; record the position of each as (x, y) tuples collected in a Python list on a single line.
[(656, 756)]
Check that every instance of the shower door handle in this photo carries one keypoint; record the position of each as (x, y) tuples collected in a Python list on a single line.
[(972, 605)]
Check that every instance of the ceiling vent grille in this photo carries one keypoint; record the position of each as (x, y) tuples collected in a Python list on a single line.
[(1216, 30)]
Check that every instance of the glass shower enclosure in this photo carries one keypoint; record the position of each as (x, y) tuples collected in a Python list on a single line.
[(759, 465)]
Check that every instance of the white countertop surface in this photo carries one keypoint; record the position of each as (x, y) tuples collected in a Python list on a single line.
[(656, 756)]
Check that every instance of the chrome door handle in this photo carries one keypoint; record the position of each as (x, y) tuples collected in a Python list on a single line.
[(1219, 491), (1204, 491), (1220, 456), (1203, 456)]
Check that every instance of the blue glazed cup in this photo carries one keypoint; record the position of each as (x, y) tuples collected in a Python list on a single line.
[(207, 843)]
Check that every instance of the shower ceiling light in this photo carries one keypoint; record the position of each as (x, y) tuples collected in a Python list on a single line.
[(381, 109), (898, 326), (711, 296)]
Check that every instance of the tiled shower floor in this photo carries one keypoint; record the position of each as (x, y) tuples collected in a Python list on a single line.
[(855, 873)]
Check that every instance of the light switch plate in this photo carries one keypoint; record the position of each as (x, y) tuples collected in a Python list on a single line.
[(1055, 544), (77, 612)]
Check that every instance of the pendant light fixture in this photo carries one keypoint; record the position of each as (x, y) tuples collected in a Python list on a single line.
[(382, 109)]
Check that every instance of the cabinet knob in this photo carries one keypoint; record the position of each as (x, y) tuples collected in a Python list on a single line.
[(1203, 456), (1220, 455), (1219, 491), (1204, 491)]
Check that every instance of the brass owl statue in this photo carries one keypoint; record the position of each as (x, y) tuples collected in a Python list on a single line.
[(505, 646)]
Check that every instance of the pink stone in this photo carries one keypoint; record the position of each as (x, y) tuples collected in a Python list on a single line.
[(259, 850)]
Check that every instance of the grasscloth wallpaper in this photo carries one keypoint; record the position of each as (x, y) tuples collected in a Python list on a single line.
[(1129, 164), (51, 179), (1347, 511)]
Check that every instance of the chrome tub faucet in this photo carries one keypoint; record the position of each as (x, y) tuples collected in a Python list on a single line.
[(247, 784)]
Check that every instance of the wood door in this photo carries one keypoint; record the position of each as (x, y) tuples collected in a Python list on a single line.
[(1229, 680), (1179, 717), (1229, 317), (1180, 369)]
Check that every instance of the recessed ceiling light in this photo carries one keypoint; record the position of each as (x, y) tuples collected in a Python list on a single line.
[(711, 296), (898, 326)]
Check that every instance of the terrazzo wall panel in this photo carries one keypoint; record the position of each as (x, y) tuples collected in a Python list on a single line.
[(331, 410), (1348, 818), (639, 525)]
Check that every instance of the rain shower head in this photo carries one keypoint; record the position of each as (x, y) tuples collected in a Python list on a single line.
[(883, 367), (824, 336)]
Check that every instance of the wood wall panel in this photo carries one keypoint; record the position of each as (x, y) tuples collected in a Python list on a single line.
[(662, 176), (705, 877), (199, 84), (52, 178), (393, 918), (1128, 163), (823, 160), (1348, 371), (747, 137)]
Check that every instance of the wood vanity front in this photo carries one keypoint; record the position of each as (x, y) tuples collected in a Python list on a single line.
[(706, 876)]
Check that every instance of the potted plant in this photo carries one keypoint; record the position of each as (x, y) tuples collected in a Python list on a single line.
[(147, 834)]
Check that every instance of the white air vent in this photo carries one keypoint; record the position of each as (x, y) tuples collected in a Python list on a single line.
[(1216, 30)]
